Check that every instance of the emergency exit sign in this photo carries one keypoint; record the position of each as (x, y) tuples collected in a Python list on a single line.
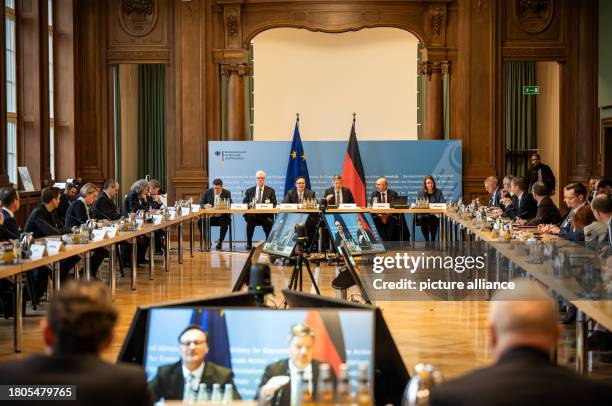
[(531, 89)]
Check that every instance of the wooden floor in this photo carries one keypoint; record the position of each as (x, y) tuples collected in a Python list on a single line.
[(450, 335)]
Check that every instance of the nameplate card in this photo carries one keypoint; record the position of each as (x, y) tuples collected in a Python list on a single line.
[(381, 206), (139, 223), (110, 231), (54, 247), (288, 206), (157, 218), (37, 251), (98, 235), (264, 206), (437, 206), (185, 211), (347, 206), (195, 208), (172, 214), (239, 206)]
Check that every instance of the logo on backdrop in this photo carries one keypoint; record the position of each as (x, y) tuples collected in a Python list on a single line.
[(230, 155)]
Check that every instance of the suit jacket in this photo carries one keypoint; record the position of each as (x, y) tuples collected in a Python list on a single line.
[(9, 230), (548, 178), (282, 397), (43, 223), (522, 376), (63, 206), (547, 213), (347, 196), (526, 209), (567, 231), (169, 382), (268, 194), (104, 208), (208, 196), (495, 198), (76, 215), (436, 197), (98, 383), (153, 204), (133, 203), (292, 196), (391, 196)]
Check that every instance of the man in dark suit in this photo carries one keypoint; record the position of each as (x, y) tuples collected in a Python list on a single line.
[(300, 193), (43, 222), (104, 207), (523, 204), (259, 194), (78, 327), (70, 193), (9, 230), (491, 185), (387, 225), (170, 381), (593, 180), (210, 198), (602, 210), (574, 196), (539, 172), (523, 333), (338, 194), (279, 383), (547, 212)]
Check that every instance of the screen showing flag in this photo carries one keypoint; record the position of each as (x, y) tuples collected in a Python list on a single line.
[(240, 348), (357, 231)]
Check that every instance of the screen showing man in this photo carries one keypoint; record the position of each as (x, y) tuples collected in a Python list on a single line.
[(357, 231)]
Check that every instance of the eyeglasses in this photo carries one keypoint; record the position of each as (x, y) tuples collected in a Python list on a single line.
[(196, 343)]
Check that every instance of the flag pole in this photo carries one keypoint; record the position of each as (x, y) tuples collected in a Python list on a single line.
[(297, 119), (354, 117)]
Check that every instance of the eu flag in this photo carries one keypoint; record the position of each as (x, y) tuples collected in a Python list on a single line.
[(297, 161), (213, 322)]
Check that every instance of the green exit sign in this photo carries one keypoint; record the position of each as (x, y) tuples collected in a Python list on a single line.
[(531, 89)]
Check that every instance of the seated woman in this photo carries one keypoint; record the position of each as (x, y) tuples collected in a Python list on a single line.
[(135, 201), (430, 222)]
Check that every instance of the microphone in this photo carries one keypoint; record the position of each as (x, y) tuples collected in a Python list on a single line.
[(93, 209)]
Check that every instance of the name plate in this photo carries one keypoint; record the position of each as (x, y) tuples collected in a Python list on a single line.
[(54, 247), (239, 206), (110, 231), (139, 223), (437, 206), (98, 235), (264, 206), (37, 251), (157, 218), (195, 208), (185, 211), (347, 206), (288, 206), (381, 206), (172, 214)]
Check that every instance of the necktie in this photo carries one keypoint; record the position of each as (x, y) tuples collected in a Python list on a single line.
[(338, 198), (383, 198), (258, 195), (300, 198), (297, 399)]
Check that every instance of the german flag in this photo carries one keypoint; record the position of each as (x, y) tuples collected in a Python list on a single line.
[(329, 340), (354, 177)]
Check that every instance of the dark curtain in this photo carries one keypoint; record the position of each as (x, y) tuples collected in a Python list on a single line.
[(152, 122), (521, 130)]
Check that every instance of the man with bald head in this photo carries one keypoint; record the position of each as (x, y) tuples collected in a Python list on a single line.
[(179, 380), (260, 193), (523, 336), (387, 225)]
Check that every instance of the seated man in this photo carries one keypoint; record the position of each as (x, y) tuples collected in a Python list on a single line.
[(9, 230), (387, 225), (604, 186), (79, 213), (43, 222), (547, 212), (259, 194), (602, 210), (172, 381), (593, 181), (574, 196), (210, 198), (279, 384), (337, 194), (494, 191), (522, 203), (523, 336), (78, 327), (70, 193), (300, 193), (104, 207)]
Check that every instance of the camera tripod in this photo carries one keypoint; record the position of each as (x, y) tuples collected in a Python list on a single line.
[(295, 283)]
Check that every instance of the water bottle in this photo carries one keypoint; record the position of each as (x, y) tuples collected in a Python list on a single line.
[(228, 394), (202, 393), (215, 396)]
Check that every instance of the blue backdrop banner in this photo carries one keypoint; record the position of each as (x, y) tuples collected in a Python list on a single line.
[(404, 163)]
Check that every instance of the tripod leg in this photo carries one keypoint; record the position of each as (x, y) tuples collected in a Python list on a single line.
[(312, 279)]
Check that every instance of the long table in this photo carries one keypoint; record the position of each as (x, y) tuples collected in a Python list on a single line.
[(458, 229)]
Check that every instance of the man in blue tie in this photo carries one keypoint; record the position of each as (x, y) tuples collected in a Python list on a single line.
[(260, 193), (494, 191)]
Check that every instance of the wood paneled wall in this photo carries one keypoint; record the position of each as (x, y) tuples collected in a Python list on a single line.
[(194, 38)]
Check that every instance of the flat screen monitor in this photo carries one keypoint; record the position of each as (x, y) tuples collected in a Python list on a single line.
[(280, 241), (357, 231), (256, 345), (243, 278)]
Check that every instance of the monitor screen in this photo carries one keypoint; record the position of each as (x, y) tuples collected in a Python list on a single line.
[(357, 231), (280, 241), (237, 341)]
